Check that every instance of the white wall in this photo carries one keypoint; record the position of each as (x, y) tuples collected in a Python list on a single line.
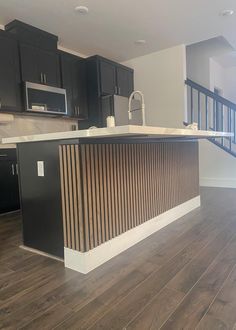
[(198, 66), (160, 76), (216, 75), (230, 83), (217, 167)]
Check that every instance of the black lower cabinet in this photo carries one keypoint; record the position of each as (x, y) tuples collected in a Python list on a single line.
[(40, 197), (9, 191)]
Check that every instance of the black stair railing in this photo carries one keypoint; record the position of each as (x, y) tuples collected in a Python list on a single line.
[(212, 112)]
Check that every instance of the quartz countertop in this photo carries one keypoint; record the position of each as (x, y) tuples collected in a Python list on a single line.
[(128, 131)]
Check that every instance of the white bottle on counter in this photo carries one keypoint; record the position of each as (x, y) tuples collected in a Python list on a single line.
[(110, 121)]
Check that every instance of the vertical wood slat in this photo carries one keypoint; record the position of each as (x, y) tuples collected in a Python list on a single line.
[(108, 189)]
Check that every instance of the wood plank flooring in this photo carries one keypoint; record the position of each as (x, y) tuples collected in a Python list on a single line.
[(182, 277)]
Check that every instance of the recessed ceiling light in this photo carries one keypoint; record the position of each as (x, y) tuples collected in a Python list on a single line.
[(82, 10), (227, 12), (140, 42)]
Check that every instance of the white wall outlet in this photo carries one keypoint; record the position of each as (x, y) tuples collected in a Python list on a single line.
[(40, 167)]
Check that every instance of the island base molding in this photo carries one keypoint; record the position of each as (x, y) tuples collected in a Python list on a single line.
[(88, 261)]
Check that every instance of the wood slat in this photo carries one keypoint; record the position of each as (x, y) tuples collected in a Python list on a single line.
[(108, 189)]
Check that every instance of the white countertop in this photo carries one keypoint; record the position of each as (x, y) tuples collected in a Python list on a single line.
[(127, 131)]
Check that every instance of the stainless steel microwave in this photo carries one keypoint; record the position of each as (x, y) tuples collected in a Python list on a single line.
[(46, 99)]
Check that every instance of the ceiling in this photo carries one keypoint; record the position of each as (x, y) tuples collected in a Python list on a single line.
[(112, 26)]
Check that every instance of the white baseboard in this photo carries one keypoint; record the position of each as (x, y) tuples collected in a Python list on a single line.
[(216, 182), (85, 262)]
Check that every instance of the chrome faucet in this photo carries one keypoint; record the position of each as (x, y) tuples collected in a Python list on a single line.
[(142, 108)]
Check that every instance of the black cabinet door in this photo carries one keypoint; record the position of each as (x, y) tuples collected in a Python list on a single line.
[(49, 68), (30, 64), (67, 80), (39, 66), (74, 80), (5, 186), (107, 78), (9, 192), (80, 89), (10, 86), (124, 78)]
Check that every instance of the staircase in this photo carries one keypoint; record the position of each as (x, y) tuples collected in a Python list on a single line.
[(212, 112)]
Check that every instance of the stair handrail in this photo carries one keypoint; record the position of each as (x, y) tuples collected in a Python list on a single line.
[(211, 94), (219, 115)]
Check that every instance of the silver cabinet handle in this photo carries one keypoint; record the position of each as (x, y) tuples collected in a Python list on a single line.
[(41, 78), (119, 90), (3, 155), (116, 90), (12, 169), (45, 78), (16, 169)]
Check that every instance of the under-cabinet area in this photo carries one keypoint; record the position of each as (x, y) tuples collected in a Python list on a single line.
[(30, 55)]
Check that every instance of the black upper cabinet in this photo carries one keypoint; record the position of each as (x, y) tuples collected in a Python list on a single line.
[(124, 81), (115, 78), (74, 80), (107, 78), (39, 65), (10, 83)]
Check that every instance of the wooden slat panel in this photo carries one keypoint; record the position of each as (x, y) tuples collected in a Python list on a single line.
[(108, 189)]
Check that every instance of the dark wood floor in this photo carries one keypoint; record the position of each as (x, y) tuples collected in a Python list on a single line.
[(183, 277)]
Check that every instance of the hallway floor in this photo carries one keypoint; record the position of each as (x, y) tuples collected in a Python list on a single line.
[(182, 277)]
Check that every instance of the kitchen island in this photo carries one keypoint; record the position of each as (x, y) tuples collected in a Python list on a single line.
[(117, 186)]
